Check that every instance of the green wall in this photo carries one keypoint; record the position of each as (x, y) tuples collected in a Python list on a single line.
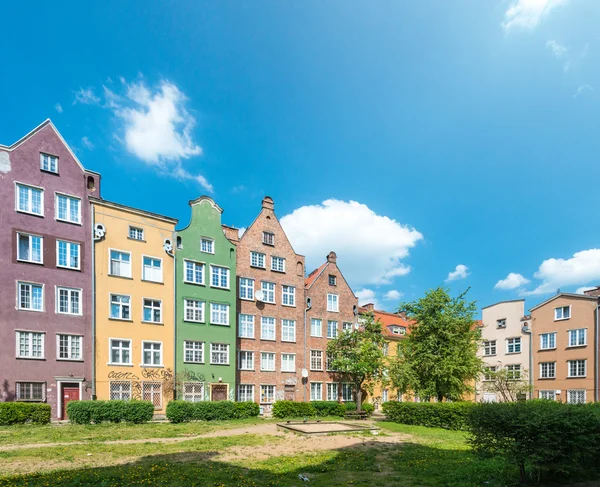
[(205, 222)]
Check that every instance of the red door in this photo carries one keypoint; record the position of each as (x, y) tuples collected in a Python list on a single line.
[(70, 393)]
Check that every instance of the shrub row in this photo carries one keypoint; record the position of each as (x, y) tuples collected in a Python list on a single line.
[(294, 409), (448, 415), (182, 411), (87, 412), (24, 412)]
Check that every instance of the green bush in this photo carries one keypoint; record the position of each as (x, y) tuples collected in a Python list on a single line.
[(246, 409), (366, 407), (293, 409), (328, 408), (547, 440), (87, 412), (448, 415), (182, 411), (24, 412)]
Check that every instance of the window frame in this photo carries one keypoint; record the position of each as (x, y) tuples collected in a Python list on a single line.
[(202, 309), (30, 334), (70, 291), (332, 280), (226, 352), (262, 357), (514, 342), (336, 301), (69, 197), (316, 358), (265, 240), (133, 229), (335, 334), (30, 236), (70, 337), (212, 245), (152, 308), (272, 395), (549, 334), (212, 322), (241, 362), (577, 376), (69, 245), (193, 350), (110, 261), (110, 349), (274, 259), (49, 156), (511, 368), (110, 304), (240, 325), (283, 327), (227, 274), (274, 328), (267, 292), (195, 263), (320, 335), (575, 332), (569, 391), (144, 277), (562, 308), (245, 395), (247, 285), (334, 386), (320, 389), (492, 345), (152, 351), (548, 376), (258, 254), (31, 286), (29, 199), (288, 295), (293, 355), (18, 392)]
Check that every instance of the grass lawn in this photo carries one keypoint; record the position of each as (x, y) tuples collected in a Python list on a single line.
[(428, 457)]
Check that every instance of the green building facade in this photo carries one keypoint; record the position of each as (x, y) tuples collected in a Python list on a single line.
[(205, 307)]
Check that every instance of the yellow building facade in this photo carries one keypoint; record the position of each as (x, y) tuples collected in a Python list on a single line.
[(134, 304)]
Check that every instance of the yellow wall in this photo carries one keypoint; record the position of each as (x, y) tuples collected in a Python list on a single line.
[(377, 397), (117, 220)]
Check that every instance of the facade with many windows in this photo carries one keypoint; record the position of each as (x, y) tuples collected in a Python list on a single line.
[(133, 258), (46, 312), (206, 303)]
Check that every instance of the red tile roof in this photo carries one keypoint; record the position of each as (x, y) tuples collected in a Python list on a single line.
[(387, 320), (312, 277)]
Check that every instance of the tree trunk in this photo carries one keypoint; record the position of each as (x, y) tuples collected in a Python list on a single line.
[(522, 474), (358, 399), (440, 398)]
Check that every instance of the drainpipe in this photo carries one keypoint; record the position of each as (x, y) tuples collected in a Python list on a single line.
[(527, 330), (175, 316), (596, 355), (93, 217), (308, 306)]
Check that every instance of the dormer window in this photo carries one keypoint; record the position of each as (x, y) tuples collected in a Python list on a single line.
[(501, 323), (398, 330), (268, 238), (332, 280), (49, 163)]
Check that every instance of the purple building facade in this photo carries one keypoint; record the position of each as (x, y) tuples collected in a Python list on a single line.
[(46, 271)]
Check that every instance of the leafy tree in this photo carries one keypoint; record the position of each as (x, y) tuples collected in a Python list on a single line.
[(357, 356), (438, 358), (506, 385)]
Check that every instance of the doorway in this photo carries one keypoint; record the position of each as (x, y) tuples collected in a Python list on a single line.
[(218, 392), (70, 392)]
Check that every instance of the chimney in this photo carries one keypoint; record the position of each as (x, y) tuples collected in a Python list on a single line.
[(331, 257), (402, 315), (267, 203), (232, 234), (369, 307), (593, 292)]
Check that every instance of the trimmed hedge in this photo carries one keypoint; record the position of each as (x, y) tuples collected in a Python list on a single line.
[(448, 415), (87, 412), (546, 440), (296, 409), (366, 407), (24, 412), (293, 409), (329, 408), (183, 411)]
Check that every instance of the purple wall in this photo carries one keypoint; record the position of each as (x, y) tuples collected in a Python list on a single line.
[(21, 163)]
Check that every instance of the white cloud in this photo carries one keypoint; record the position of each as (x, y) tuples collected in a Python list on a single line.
[(87, 143), (557, 48), (366, 296), (583, 268), (181, 174), (512, 281), (392, 295), (460, 272), (582, 89), (370, 247), (527, 14), (86, 97), (580, 290), (58, 107)]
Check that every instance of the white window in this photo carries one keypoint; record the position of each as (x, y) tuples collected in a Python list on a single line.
[(120, 263), (277, 264), (136, 233), (194, 272), (152, 269), (577, 368), (194, 310), (513, 345), (267, 328), (316, 360), (288, 362), (257, 259), (548, 341), (577, 338), (30, 200), (548, 370), (120, 390), (219, 353), (347, 326), (328, 362), (288, 296), (332, 280), (386, 349), (246, 288), (152, 391), (152, 310), (268, 289), (489, 347), (332, 391), (384, 395), (68, 208), (68, 301), (245, 392), (267, 394), (246, 329), (316, 391), (219, 314), (120, 307), (152, 353), (48, 163), (267, 361), (288, 331), (268, 238), (548, 395), (69, 347), (488, 373), (31, 296), (31, 391), (246, 360), (332, 330), (332, 302), (67, 254), (193, 352), (316, 327), (207, 245), (576, 396), (562, 313), (501, 323), (30, 248), (120, 351), (347, 394), (513, 372), (193, 391), (30, 344), (398, 330), (219, 277)]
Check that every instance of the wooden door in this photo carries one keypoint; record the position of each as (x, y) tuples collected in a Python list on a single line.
[(218, 392), (70, 393), (289, 392)]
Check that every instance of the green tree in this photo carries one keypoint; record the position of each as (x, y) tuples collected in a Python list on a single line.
[(438, 358), (357, 356), (507, 385)]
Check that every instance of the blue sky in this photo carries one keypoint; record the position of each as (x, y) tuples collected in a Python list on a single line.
[(409, 137)]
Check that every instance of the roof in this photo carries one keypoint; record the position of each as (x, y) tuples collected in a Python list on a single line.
[(314, 275), (388, 319), (565, 295), (118, 206), (503, 302)]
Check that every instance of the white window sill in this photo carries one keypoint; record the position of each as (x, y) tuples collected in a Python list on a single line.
[(213, 363), (547, 378), (152, 322), (30, 309), (247, 338), (69, 314), (67, 221), (119, 365), (269, 302), (333, 310), (545, 349), (247, 299), (277, 270), (194, 283), (149, 366), (288, 305), (194, 321), (268, 370), (68, 267), (577, 346), (258, 267), (226, 288), (219, 324), (512, 353), (25, 261), (121, 319), (576, 376), (30, 213), (562, 319), (69, 359), (30, 358)]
